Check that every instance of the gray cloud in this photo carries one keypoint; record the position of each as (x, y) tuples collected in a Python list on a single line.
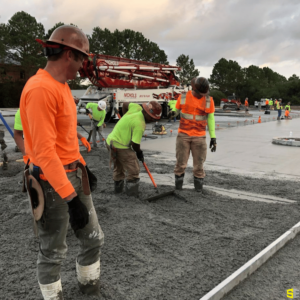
[(262, 32)]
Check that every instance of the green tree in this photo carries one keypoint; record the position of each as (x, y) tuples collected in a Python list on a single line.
[(188, 70), (3, 41), (22, 31), (226, 76), (127, 43)]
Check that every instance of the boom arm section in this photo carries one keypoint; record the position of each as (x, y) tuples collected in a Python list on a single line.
[(107, 71)]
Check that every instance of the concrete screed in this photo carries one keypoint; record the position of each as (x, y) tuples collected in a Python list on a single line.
[(176, 248)]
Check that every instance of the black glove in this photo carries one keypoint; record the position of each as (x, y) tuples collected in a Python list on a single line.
[(213, 144), (171, 114), (92, 179), (97, 127), (79, 215), (140, 156), (87, 111)]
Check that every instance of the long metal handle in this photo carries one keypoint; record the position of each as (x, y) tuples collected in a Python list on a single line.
[(152, 179)]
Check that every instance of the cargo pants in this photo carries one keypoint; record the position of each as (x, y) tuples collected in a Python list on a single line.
[(126, 161), (95, 131), (186, 144), (53, 228)]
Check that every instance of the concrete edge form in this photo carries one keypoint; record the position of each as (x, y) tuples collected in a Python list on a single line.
[(251, 266), (286, 141)]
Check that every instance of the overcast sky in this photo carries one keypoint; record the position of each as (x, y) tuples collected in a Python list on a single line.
[(258, 32)]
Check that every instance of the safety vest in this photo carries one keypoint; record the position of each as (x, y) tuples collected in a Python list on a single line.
[(278, 105), (271, 102), (288, 106), (194, 119), (246, 103), (267, 102)]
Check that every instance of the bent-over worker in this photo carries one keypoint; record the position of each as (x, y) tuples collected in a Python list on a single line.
[(49, 121), (124, 144), (172, 104), (196, 109), (97, 120)]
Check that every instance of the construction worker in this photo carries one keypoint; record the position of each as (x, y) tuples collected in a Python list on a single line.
[(279, 107), (288, 106), (246, 102), (271, 104), (196, 109), (287, 113), (267, 104), (97, 119), (172, 104), (49, 121), (275, 103), (124, 144)]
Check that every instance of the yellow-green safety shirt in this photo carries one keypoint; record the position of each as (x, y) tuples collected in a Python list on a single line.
[(271, 102), (172, 104), (18, 123), (97, 115), (288, 106), (129, 129)]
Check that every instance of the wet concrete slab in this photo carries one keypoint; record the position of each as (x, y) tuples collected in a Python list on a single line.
[(246, 150)]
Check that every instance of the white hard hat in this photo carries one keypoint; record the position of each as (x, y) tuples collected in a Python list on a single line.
[(102, 104)]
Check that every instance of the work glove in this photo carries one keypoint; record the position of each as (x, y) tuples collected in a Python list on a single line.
[(171, 114), (87, 111), (213, 144), (86, 144), (79, 215), (97, 127), (140, 156)]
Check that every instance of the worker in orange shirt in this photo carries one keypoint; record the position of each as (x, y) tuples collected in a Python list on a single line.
[(287, 113), (267, 104), (196, 110), (49, 121), (246, 102)]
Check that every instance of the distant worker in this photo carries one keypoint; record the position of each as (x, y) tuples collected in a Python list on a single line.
[(275, 104), (49, 121), (288, 106), (246, 102), (279, 107), (271, 104), (287, 113), (18, 135), (267, 104), (172, 104), (124, 143), (196, 110), (98, 111)]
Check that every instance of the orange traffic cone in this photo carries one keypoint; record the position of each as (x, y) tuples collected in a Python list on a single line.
[(259, 119)]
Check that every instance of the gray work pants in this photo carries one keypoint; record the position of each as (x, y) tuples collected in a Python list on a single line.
[(186, 144), (95, 131), (53, 228)]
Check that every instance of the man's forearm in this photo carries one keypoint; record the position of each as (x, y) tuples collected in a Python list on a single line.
[(211, 125)]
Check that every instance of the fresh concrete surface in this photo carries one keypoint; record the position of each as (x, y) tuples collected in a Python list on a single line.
[(247, 149)]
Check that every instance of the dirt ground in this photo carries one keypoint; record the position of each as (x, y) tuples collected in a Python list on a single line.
[(178, 247)]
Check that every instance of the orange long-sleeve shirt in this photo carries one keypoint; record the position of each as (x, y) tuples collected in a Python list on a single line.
[(49, 120)]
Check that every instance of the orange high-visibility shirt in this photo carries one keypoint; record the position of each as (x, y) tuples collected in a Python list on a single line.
[(287, 113), (246, 103), (49, 120), (194, 107), (267, 102)]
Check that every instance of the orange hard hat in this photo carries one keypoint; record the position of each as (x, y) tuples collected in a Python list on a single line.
[(72, 37), (153, 109)]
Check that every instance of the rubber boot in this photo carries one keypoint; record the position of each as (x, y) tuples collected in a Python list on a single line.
[(119, 186), (179, 181), (198, 184), (52, 291), (132, 187), (89, 278)]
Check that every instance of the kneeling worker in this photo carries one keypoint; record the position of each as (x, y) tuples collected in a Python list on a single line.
[(196, 109), (97, 120), (124, 143)]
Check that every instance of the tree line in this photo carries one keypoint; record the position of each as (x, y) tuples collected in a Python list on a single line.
[(255, 83)]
